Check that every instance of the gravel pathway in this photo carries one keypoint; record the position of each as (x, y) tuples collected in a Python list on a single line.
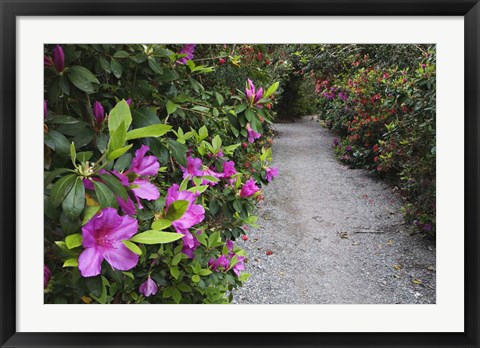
[(335, 234)]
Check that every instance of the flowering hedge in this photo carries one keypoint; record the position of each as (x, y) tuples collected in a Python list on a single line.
[(385, 112), (153, 166)]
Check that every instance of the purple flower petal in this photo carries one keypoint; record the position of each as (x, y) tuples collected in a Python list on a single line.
[(120, 257), (58, 58), (145, 190), (148, 288), (144, 165), (90, 262)]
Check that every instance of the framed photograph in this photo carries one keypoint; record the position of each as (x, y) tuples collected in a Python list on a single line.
[(307, 171)]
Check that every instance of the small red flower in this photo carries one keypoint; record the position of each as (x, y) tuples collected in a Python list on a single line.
[(247, 165), (221, 61), (244, 145), (244, 237), (269, 106), (267, 61), (269, 252), (261, 119)]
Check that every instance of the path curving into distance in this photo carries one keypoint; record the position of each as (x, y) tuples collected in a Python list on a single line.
[(336, 234)]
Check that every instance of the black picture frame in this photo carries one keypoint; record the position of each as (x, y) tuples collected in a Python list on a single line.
[(9, 10)]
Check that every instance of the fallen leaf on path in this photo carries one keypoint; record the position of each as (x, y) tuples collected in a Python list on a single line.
[(269, 252), (389, 242), (86, 299), (416, 281), (397, 267)]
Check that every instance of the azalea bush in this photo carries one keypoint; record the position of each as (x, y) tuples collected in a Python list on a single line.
[(384, 112), (153, 166)]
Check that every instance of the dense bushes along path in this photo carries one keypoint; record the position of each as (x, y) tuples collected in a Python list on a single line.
[(331, 234)]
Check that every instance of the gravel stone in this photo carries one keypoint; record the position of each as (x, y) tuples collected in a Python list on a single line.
[(336, 234)]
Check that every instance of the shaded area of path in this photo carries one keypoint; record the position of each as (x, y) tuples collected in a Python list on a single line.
[(336, 234)]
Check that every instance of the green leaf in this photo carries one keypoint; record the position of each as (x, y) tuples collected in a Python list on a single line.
[(120, 113), (129, 274), (117, 69), (176, 259), (117, 138), (144, 117), (195, 278), (219, 98), (176, 210), (184, 183), (198, 189), (210, 178), (114, 184), (73, 153), (178, 151), (237, 204), (132, 247), (74, 202), (168, 75), (118, 152), (205, 272), (72, 262), (105, 197), (217, 142), (120, 54), (104, 64), (250, 115), (61, 188), (161, 224), (156, 68), (84, 156), (214, 240), (154, 130), (171, 107), (256, 125), (82, 78), (156, 237), (177, 295), (49, 176), (73, 240), (175, 272), (57, 142), (90, 213), (270, 90), (203, 133)]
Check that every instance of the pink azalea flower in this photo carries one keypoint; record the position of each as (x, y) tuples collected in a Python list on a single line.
[(188, 50), (221, 264), (47, 274), (229, 169), (102, 240), (239, 266), (148, 288), (144, 165), (249, 188), (271, 173), (253, 96), (98, 112), (194, 166), (211, 172), (190, 244), (252, 135), (192, 216), (58, 58)]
